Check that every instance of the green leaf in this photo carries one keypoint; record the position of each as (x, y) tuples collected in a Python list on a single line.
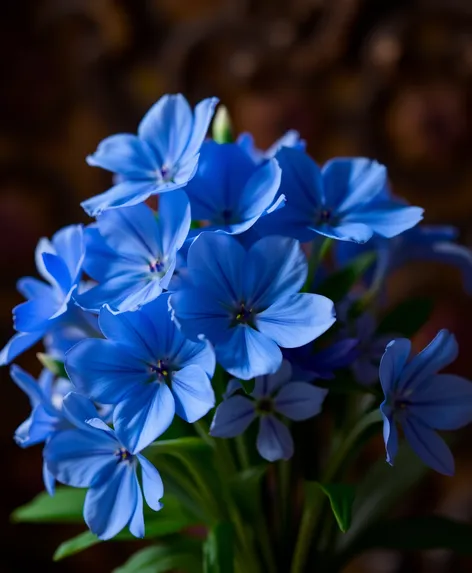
[(183, 555), (245, 488), (407, 318), (55, 366), (64, 507), (218, 549), (417, 533), (221, 130), (341, 499), (248, 385), (172, 518), (338, 284)]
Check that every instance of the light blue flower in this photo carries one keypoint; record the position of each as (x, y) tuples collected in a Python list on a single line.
[(132, 254), (96, 457), (274, 395), (59, 262), (421, 401), (147, 369), (247, 304), (290, 139), (348, 200), (161, 158)]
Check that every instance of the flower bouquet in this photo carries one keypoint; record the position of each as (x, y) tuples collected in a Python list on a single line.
[(217, 360)]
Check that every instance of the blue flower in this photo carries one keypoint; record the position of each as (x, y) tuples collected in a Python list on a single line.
[(247, 302), (147, 368), (46, 418), (133, 255), (59, 262), (289, 139), (347, 199), (273, 394), (421, 401), (230, 191), (96, 457), (162, 157)]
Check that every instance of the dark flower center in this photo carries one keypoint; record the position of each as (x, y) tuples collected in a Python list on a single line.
[(123, 455), (243, 315), (156, 266), (166, 173), (324, 216), (265, 406), (226, 216), (162, 370)]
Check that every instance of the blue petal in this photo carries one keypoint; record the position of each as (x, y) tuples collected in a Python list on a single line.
[(18, 344), (109, 507), (269, 278), (197, 353), (274, 441), (30, 288), (386, 219), (35, 315), (302, 181), (101, 261), (248, 353), (136, 524), (346, 231), (124, 194), (444, 402), (49, 480), (297, 319), (125, 154), (203, 114), (299, 400), (70, 247), (390, 433), (428, 446), (81, 458), (193, 393), (144, 416), (232, 417), (266, 385), (439, 353), (393, 362), (28, 384), (57, 269), (38, 428), (153, 488), (105, 370), (44, 246), (174, 221), (79, 410)]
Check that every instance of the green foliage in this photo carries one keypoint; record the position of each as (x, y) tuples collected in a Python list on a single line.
[(55, 366), (218, 551), (64, 507), (340, 283), (183, 555), (407, 318), (341, 499), (245, 488)]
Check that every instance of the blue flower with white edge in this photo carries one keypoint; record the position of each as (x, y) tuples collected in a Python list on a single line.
[(147, 368), (132, 254), (94, 456), (161, 158), (59, 262), (347, 200), (273, 396), (229, 191), (247, 304), (290, 139), (420, 400)]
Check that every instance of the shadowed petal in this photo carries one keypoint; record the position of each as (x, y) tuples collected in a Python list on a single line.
[(393, 362), (193, 393), (268, 384), (232, 417), (390, 433), (274, 441), (299, 400)]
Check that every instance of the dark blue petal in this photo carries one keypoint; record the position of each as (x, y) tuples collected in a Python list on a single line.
[(57, 269), (18, 344), (392, 364), (232, 417), (153, 488), (38, 428), (390, 433), (174, 221), (274, 441), (35, 315), (299, 400), (193, 393), (296, 320), (266, 385), (79, 410)]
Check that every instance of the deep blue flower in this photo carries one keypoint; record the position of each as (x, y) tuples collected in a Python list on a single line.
[(275, 394), (59, 262), (46, 418), (147, 368), (247, 302), (96, 457), (132, 254), (162, 157), (435, 243), (289, 139), (421, 401), (231, 192), (348, 199)]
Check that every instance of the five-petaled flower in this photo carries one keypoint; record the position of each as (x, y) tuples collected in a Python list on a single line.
[(422, 401), (161, 158)]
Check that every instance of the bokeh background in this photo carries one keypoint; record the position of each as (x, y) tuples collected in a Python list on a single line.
[(390, 79)]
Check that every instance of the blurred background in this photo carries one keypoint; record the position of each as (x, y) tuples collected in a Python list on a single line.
[(391, 80)]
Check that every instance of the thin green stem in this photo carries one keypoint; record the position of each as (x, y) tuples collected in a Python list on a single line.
[(318, 253), (243, 455)]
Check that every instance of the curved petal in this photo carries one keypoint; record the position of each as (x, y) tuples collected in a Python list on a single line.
[(302, 181), (144, 416), (125, 154), (299, 400), (153, 488), (38, 428), (70, 247), (81, 458), (44, 246), (249, 353), (105, 370), (393, 362), (203, 114), (193, 393), (297, 319), (35, 314), (18, 344), (174, 221), (428, 446), (136, 524), (28, 384), (274, 441), (124, 194), (387, 219), (48, 479), (390, 433), (31, 288), (101, 261), (268, 384), (58, 271), (269, 278), (79, 410), (346, 231), (110, 506), (232, 417)]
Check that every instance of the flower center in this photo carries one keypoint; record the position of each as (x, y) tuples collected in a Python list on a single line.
[(161, 369), (123, 455), (324, 216), (166, 173), (157, 266), (265, 406), (243, 314)]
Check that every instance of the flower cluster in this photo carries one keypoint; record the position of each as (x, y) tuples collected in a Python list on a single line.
[(211, 302)]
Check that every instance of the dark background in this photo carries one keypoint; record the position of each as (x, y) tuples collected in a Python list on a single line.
[(388, 79)]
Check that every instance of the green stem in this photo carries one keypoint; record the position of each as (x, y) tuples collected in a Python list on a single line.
[(243, 455), (318, 253)]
